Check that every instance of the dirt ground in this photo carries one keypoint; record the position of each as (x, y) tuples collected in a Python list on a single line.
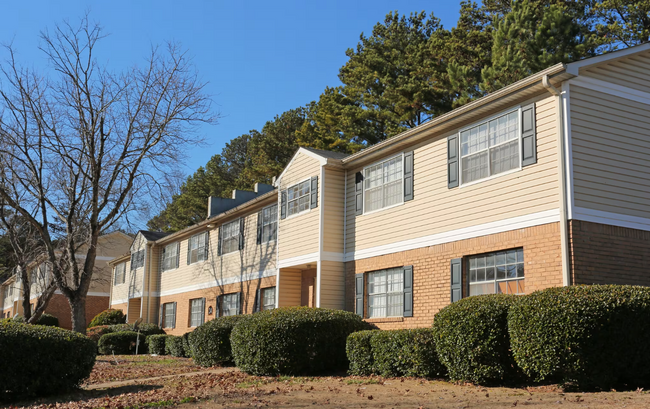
[(230, 388)]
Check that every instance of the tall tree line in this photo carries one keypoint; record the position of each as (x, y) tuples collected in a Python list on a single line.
[(411, 69)]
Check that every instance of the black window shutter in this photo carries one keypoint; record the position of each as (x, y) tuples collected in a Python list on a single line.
[(219, 243), (258, 300), (408, 291), (358, 193), (239, 303), (314, 192), (456, 279), (202, 310), (452, 161), (217, 307), (160, 319), (174, 322), (283, 204), (408, 176), (259, 227), (206, 249), (528, 136), (189, 246), (358, 294), (162, 259), (178, 253), (241, 233)]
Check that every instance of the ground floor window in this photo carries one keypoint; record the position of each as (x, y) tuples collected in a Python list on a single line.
[(169, 315), (268, 298), (386, 293), (197, 312), (230, 304), (500, 272)]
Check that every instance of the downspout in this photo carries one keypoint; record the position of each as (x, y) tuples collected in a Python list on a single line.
[(564, 230), (144, 278)]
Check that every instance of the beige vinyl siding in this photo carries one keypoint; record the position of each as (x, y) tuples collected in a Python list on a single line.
[(253, 260), (133, 312), (333, 208), (120, 292), (632, 72), (437, 209), (289, 288), (611, 153), (298, 234), (332, 284)]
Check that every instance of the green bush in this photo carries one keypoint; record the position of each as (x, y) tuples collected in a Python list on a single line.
[(187, 349), (156, 344), (121, 343), (210, 342), (40, 360), (48, 320), (145, 329), (591, 336), (472, 340), (174, 346), (405, 352), (108, 317), (95, 333), (359, 353), (294, 340)]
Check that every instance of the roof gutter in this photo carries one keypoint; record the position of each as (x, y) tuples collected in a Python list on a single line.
[(526, 82)]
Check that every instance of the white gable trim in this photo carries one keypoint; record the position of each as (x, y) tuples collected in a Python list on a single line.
[(574, 67), (320, 159), (612, 89)]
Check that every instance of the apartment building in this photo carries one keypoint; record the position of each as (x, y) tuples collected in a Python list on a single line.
[(543, 183), (109, 246)]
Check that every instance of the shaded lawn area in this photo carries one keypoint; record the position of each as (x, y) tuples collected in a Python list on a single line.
[(126, 367)]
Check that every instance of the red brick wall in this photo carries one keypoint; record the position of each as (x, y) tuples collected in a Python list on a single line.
[(60, 308), (431, 269), (605, 254)]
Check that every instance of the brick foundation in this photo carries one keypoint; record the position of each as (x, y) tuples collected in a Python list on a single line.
[(431, 269), (248, 288), (605, 254)]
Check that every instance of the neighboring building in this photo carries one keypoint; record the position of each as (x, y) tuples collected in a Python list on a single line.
[(109, 246), (543, 183)]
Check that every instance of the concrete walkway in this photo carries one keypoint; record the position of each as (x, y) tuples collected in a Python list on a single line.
[(115, 384)]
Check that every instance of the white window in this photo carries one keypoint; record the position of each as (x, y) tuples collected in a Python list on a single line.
[(230, 237), (298, 198), (269, 223), (137, 260), (120, 274), (197, 248), (230, 304), (497, 273), (170, 257), (490, 148), (169, 315), (197, 308), (383, 184), (386, 293), (268, 298)]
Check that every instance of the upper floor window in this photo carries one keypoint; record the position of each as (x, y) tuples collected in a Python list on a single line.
[(497, 273), (269, 228), (197, 248), (386, 293), (170, 256), (230, 237), (490, 148), (137, 259), (298, 198), (120, 274), (383, 184)]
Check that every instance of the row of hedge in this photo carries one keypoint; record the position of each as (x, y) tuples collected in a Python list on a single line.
[(177, 346)]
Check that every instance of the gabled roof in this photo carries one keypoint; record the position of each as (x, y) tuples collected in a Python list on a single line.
[(327, 154), (153, 235), (574, 67), (324, 157)]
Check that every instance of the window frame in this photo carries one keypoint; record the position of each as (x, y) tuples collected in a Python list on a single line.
[(368, 294), (262, 304), (165, 256), (516, 109), (135, 257), (165, 309), (115, 283), (237, 223), (201, 312), (308, 195), (275, 234), (223, 299), (496, 280), (363, 173), (200, 250)]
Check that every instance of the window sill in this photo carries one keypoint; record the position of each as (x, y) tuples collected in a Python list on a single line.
[(297, 214), (382, 209), (498, 175), (386, 319)]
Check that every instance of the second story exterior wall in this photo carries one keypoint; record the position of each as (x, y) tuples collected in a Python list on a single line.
[(333, 212), (439, 214)]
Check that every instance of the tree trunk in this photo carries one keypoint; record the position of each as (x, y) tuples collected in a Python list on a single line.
[(78, 307)]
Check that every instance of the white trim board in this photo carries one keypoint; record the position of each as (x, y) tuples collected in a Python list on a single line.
[(217, 283), (574, 67), (313, 155), (295, 261), (500, 226), (568, 147), (614, 219), (612, 89)]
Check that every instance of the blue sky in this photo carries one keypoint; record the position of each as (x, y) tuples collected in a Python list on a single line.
[(261, 58)]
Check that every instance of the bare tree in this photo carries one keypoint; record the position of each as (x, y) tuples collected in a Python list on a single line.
[(89, 147)]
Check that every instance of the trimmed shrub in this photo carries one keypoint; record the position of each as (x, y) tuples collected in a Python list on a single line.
[(187, 349), (40, 360), (108, 317), (95, 333), (174, 346), (471, 337), (210, 342), (156, 344), (48, 320), (591, 336), (294, 340), (120, 343), (359, 353), (405, 352), (145, 329)]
